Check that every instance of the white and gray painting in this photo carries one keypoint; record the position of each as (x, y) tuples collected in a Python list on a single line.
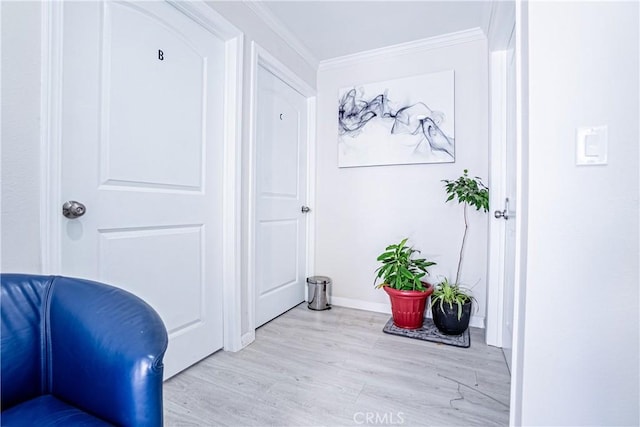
[(403, 121)]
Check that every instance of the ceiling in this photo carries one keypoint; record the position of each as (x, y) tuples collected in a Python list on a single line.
[(329, 29)]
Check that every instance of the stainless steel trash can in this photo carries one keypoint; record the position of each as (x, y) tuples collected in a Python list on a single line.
[(318, 299)]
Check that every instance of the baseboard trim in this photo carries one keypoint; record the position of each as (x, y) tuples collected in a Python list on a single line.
[(377, 307), (361, 305), (477, 322), (247, 339)]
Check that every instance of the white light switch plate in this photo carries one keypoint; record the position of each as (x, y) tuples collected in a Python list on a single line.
[(591, 145)]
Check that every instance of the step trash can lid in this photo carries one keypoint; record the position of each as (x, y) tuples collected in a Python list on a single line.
[(319, 280)]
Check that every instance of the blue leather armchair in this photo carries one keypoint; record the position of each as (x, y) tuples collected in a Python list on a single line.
[(76, 352)]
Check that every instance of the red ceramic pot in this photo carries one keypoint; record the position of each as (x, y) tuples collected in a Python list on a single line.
[(407, 307)]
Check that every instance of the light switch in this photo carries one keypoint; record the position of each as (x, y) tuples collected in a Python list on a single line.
[(591, 145)]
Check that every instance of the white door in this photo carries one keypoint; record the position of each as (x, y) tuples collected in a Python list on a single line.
[(280, 229), (510, 204), (142, 133)]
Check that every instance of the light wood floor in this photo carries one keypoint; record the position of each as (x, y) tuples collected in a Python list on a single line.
[(337, 368)]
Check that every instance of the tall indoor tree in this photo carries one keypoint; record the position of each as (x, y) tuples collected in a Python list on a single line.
[(470, 192)]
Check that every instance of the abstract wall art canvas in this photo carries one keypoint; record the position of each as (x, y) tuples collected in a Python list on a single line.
[(402, 121)]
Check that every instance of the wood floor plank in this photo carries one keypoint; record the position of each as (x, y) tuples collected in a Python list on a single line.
[(337, 368)]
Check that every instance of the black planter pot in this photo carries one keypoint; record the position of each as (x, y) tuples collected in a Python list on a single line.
[(448, 322)]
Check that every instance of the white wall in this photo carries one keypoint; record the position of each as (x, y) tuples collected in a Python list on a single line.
[(362, 210), (20, 226), (581, 323)]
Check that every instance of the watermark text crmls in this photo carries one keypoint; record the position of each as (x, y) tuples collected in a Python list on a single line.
[(378, 418)]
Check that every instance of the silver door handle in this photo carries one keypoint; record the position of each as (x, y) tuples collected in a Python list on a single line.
[(501, 214), (305, 209), (73, 209), (504, 213)]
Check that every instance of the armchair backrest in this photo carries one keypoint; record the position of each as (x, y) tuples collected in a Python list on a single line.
[(92, 345), (22, 342)]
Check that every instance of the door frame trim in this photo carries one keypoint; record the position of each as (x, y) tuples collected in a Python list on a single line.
[(262, 58), (51, 39), (521, 33), (497, 160), (51, 149)]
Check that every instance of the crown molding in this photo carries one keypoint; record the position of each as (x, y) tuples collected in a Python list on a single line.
[(444, 40), (208, 18), (265, 14)]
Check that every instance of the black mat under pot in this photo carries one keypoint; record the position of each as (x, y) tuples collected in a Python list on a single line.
[(429, 332)]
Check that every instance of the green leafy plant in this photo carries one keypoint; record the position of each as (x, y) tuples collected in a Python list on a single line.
[(450, 294), (469, 192), (400, 270)]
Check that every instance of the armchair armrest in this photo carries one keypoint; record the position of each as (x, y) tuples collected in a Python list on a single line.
[(106, 349)]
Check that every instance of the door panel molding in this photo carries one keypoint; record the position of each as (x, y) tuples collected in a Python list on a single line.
[(51, 149), (171, 243), (261, 58), (116, 105)]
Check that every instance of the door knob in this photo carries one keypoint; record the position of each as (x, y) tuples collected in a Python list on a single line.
[(305, 209), (501, 214), (73, 209), (504, 213)]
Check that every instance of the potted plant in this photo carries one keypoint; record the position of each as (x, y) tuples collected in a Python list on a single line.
[(401, 274), (451, 304), (451, 307)]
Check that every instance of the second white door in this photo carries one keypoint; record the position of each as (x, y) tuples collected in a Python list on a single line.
[(281, 191)]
